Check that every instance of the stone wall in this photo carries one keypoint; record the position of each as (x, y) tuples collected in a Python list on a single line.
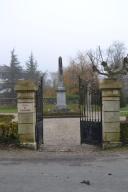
[(26, 112), (110, 113)]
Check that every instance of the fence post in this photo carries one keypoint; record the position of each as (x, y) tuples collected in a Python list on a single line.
[(26, 90), (110, 113)]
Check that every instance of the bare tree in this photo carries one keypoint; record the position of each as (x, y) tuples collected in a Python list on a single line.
[(111, 62)]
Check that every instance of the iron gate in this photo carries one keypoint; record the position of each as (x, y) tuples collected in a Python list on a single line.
[(39, 114), (90, 113)]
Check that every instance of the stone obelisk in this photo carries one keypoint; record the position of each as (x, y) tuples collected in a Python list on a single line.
[(61, 92)]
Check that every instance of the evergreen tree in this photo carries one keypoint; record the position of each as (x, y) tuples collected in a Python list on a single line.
[(14, 73), (15, 68), (31, 69)]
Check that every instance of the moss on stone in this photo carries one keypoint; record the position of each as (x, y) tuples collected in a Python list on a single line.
[(25, 85), (110, 84)]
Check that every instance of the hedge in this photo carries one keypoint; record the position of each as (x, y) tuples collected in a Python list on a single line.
[(8, 129)]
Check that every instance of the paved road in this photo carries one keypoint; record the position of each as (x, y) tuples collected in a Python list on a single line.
[(29, 171)]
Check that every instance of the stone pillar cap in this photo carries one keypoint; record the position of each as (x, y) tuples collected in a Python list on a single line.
[(110, 84), (25, 85)]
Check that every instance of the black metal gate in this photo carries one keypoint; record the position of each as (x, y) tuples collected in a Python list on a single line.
[(90, 113), (39, 114)]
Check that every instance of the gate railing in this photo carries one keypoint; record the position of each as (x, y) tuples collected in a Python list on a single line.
[(90, 102), (90, 112), (39, 114)]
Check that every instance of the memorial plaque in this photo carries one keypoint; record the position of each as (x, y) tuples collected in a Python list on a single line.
[(25, 107)]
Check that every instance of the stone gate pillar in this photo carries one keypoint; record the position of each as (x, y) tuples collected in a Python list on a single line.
[(26, 90), (110, 113)]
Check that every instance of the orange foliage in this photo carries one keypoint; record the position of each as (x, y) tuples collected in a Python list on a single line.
[(79, 67)]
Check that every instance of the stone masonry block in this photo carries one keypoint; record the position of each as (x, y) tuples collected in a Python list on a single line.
[(112, 93), (26, 118), (111, 116), (110, 84), (27, 138), (111, 106), (111, 127), (26, 107), (25, 86), (110, 98), (31, 100), (26, 128), (26, 95), (111, 137)]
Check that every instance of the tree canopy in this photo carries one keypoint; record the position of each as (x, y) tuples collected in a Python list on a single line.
[(31, 69)]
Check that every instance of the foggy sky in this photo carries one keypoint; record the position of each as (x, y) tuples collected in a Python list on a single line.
[(53, 28)]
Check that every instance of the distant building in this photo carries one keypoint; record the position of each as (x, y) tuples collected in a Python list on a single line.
[(4, 70)]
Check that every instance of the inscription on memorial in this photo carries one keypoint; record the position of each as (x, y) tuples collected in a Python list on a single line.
[(25, 107)]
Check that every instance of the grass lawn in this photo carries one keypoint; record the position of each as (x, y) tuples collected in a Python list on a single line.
[(48, 108), (8, 109), (72, 107), (124, 111)]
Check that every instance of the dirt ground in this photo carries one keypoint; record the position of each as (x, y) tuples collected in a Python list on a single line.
[(89, 171)]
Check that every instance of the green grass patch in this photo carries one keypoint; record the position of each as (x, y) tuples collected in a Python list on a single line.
[(48, 108), (73, 107), (124, 111), (6, 109), (51, 107), (124, 108)]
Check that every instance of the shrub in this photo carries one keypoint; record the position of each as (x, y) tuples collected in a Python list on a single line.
[(6, 118), (124, 132), (8, 129), (123, 101), (72, 99)]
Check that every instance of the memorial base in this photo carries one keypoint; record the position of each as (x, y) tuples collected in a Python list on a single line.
[(61, 109)]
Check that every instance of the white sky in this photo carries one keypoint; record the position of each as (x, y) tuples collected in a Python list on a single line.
[(50, 28)]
